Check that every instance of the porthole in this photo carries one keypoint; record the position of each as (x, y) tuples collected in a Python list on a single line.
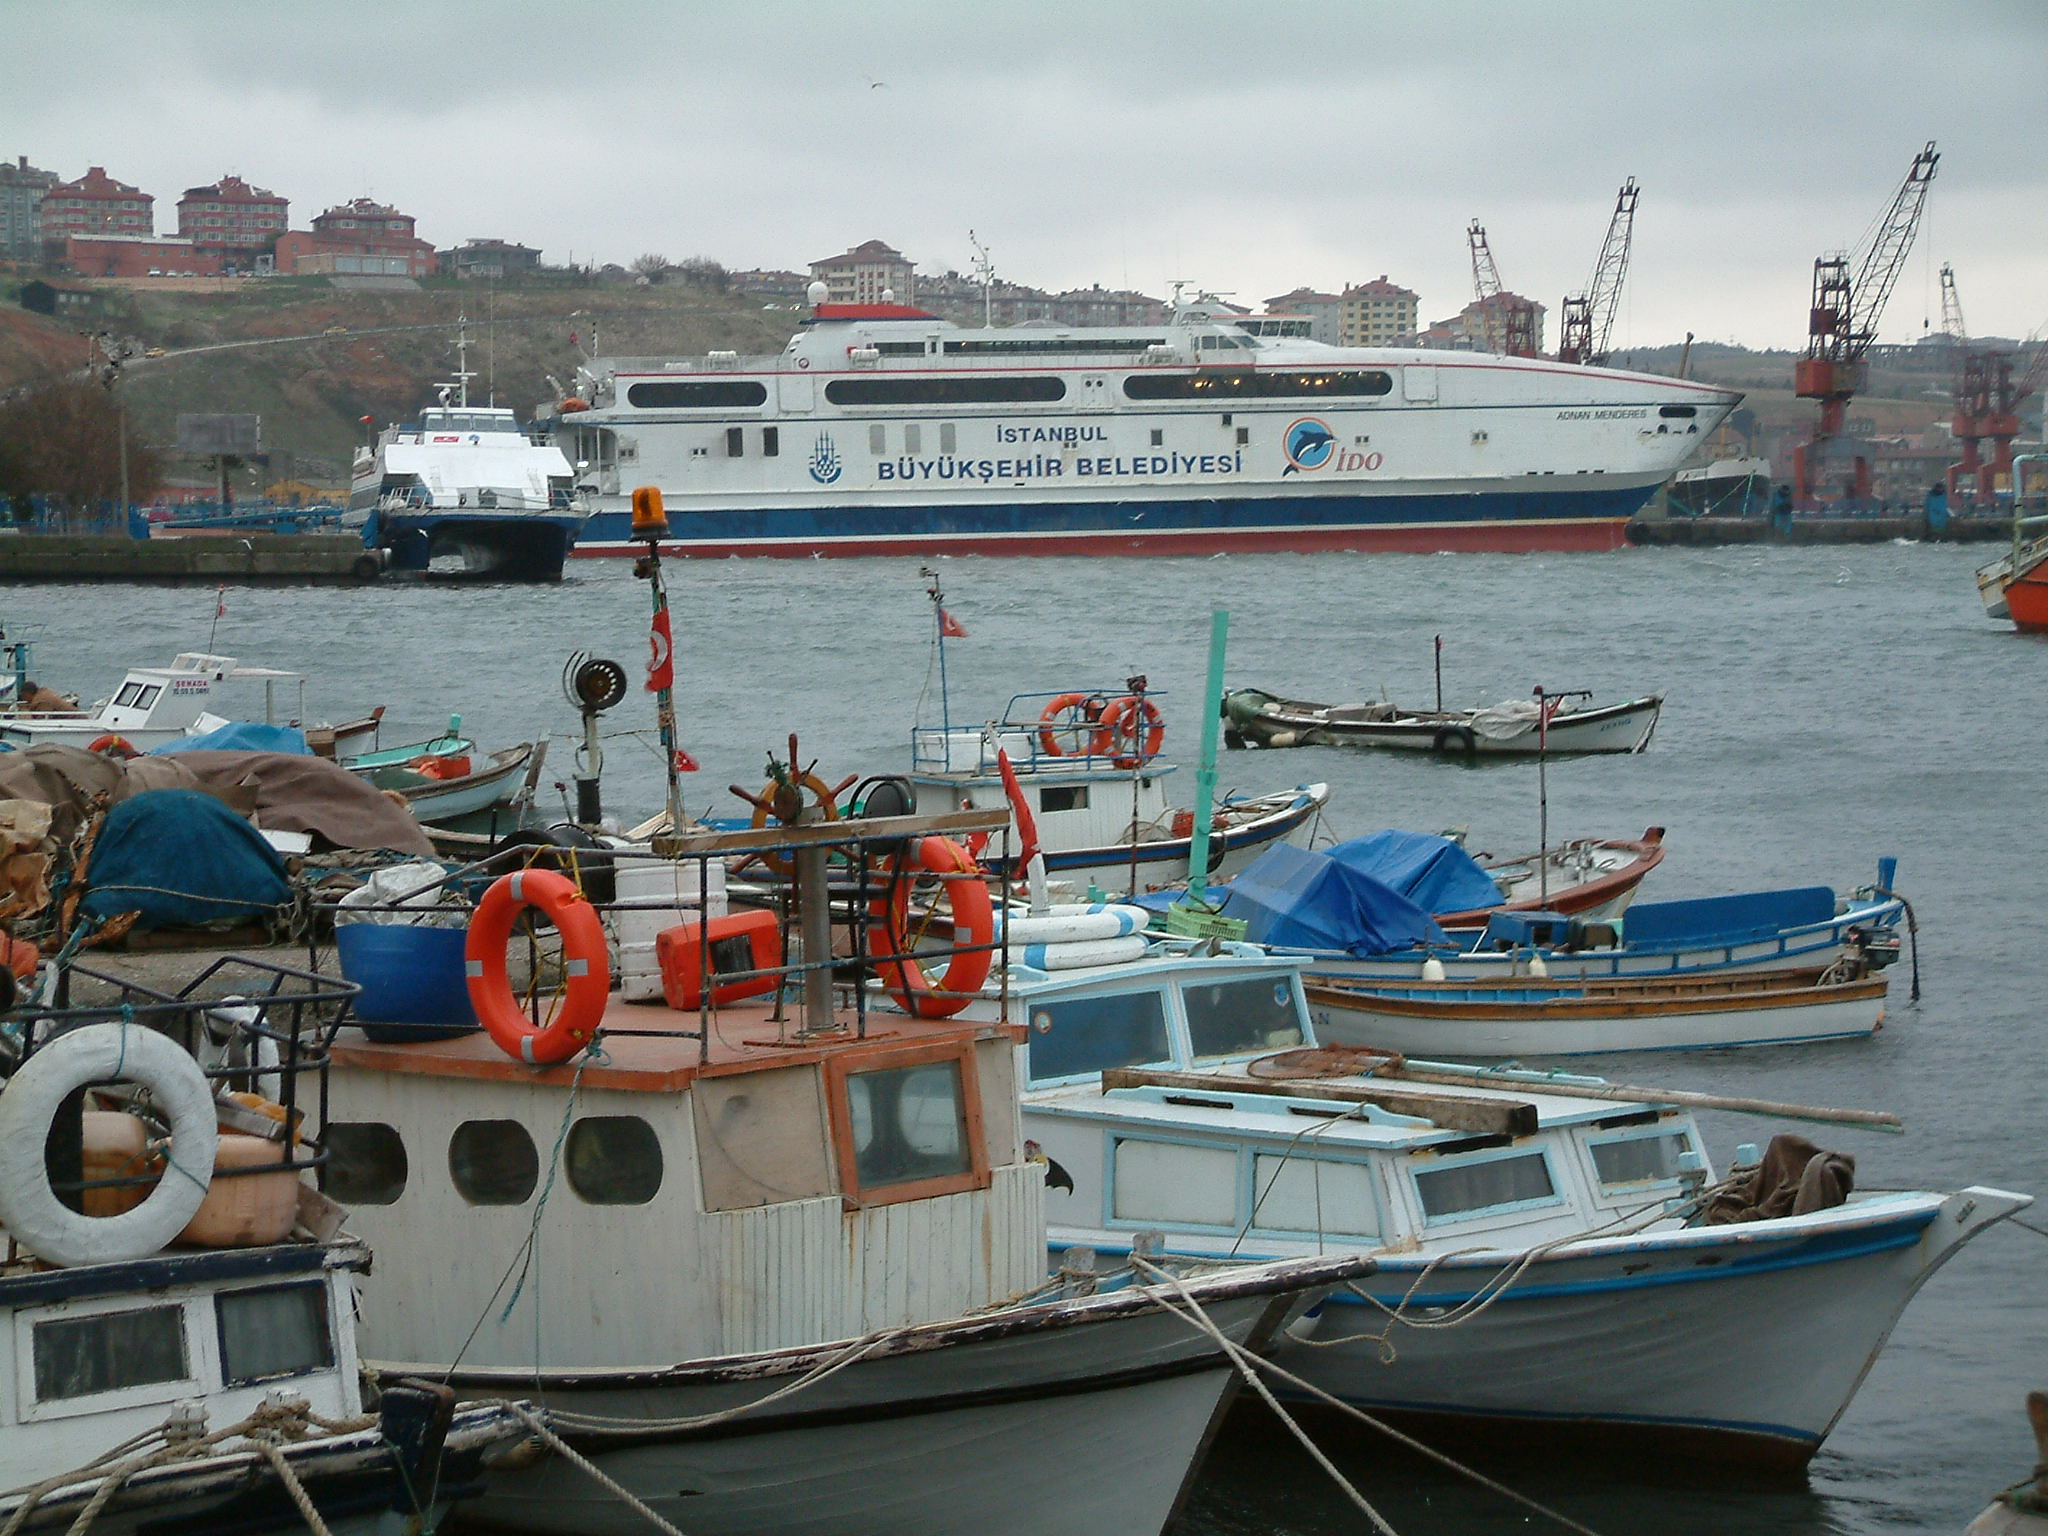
[(366, 1163), (613, 1160), (493, 1162)]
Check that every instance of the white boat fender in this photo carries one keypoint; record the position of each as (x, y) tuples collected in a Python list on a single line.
[(1433, 969), (1073, 922), (1536, 966), (98, 1053), (1075, 957)]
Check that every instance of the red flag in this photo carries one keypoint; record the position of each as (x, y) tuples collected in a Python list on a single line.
[(1027, 828), (220, 602), (951, 627), (684, 762), (661, 660)]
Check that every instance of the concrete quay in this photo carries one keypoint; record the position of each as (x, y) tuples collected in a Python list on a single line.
[(239, 558), (1814, 528)]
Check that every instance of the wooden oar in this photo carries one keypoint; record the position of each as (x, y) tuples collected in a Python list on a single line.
[(1382, 1064)]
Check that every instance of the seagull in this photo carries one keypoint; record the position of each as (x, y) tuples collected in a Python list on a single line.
[(874, 84)]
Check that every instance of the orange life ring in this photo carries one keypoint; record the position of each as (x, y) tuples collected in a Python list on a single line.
[(573, 1022), (113, 746), (1132, 728), (19, 957), (1076, 714), (973, 914)]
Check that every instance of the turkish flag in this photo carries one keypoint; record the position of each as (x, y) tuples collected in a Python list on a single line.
[(683, 761), (951, 627), (1027, 826), (661, 658)]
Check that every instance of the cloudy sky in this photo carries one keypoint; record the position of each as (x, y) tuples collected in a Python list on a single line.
[(1245, 148)]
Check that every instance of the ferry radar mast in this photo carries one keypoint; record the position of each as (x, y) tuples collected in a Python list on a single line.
[(985, 269)]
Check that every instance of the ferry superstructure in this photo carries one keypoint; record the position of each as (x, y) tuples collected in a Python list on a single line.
[(881, 429)]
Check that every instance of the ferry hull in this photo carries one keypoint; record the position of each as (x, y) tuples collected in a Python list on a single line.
[(1507, 522)]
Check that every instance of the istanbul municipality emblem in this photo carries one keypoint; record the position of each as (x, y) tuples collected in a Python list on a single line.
[(824, 460)]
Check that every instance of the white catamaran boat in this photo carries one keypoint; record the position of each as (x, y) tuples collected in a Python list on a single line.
[(881, 429)]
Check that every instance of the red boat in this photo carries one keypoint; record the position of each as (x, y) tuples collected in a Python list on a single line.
[(1589, 877), (2016, 587)]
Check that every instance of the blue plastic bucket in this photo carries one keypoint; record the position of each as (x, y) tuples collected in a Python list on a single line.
[(412, 980)]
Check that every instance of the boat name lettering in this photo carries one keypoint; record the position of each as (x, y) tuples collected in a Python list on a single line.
[(1633, 414), (1066, 435), (1044, 466), (196, 685)]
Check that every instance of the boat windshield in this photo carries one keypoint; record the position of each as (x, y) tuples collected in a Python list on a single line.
[(1232, 1018), (468, 421), (1079, 1035)]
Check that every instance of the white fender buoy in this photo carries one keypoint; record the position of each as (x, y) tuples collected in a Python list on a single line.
[(1433, 969), (29, 1207), (1536, 966), (1073, 922), (1074, 957)]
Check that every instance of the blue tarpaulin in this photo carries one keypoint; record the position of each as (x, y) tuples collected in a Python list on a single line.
[(181, 858), (1725, 919), (1298, 899), (1433, 872), (241, 736)]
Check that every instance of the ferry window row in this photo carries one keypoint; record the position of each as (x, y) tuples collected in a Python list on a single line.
[(1225, 385), (607, 1159), (1026, 389)]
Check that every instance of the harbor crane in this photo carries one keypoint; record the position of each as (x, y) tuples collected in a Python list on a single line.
[(1510, 320), (1587, 318), (1841, 324), (1989, 394)]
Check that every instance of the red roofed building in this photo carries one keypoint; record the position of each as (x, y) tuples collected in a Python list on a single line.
[(135, 256), (1377, 314), (96, 204), (232, 217), (360, 238)]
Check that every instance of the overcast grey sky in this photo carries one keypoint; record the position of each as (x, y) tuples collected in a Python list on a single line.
[(1246, 148)]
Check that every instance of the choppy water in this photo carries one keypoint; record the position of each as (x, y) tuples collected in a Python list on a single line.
[(1825, 706)]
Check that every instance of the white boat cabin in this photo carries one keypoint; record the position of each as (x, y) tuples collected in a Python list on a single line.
[(155, 705)]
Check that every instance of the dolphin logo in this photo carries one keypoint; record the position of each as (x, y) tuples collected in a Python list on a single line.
[(1308, 444)]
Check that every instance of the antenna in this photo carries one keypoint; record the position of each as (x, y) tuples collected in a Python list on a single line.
[(985, 269)]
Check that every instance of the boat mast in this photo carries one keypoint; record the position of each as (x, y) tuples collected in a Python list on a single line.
[(462, 371), (985, 269)]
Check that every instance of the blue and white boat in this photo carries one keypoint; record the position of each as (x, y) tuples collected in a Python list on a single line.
[(880, 429), (1542, 1262)]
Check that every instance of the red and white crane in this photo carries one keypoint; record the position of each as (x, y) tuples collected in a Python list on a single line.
[(1841, 325), (1509, 319), (1988, 398), (1587, 319)]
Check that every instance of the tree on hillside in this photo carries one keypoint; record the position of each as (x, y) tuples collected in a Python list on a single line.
[(61, 439), (703, 272), (653, 266)]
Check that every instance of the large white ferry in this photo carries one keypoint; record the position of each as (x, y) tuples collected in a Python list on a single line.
[(881, 429)]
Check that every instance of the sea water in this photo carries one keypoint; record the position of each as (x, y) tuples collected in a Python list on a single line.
[(1824, 706)]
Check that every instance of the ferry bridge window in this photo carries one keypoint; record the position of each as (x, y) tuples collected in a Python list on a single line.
[(613, 1160), (77, 1356), (970, 391), (735, 442), (273, 1330), (1226, 384), (493, 1162), (908, 1123), (366, 1163), (1228, 1018), (696, 394), (1478, 1186), (1087, 1034)]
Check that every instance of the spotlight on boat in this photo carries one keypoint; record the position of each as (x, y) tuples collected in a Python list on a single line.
[(650, 520)]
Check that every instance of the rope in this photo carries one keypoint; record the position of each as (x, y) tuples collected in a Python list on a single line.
[(1912, 935), (2037, 1231), (579, 1461), (1250, 1365)]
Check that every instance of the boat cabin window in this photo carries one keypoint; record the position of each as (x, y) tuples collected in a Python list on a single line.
[(1086, 1034), (1651, 1159), (771, 442), (1230, 385), (908, 1124), (1063, 797), (273, 1330), (1173, 1182), (1314, 1195), (366, 1163), (1485, 1184), (613, 1160), (107, 1351), (493, 1162), (1228, 1018), (696, 394), (968, 391), (735, 442), (137, 695)]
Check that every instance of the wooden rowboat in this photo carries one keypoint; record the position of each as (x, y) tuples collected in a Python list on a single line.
[(1265, 720), (1460, 1020), (1591, 877)]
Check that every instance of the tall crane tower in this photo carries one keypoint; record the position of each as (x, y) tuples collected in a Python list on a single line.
[(1841, 325), (1510, 321), (1587, 319)]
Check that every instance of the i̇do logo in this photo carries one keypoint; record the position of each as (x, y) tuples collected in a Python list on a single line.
[(1308, 445)]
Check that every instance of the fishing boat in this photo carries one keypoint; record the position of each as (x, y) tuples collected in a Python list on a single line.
[(1725, 487), (1553, 1016), (441, 788), (2022, 1509), (155, 706), (466, 490), (185, 1359), (774, 1260), (2016, 587), (881, 429), (1089, 767), (1512, 727), (1556, 1259)]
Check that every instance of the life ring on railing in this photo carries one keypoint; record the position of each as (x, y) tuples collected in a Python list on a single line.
[(573, 1017), (98, 1053), (890, 937), (113, 746), (1133, 729), (1078, 717)]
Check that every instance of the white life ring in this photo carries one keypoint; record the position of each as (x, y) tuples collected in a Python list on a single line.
[(1070, 923), (29, 1207)]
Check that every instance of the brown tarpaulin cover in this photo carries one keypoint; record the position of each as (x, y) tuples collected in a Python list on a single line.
[(310, 794), (1794, 1177)]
